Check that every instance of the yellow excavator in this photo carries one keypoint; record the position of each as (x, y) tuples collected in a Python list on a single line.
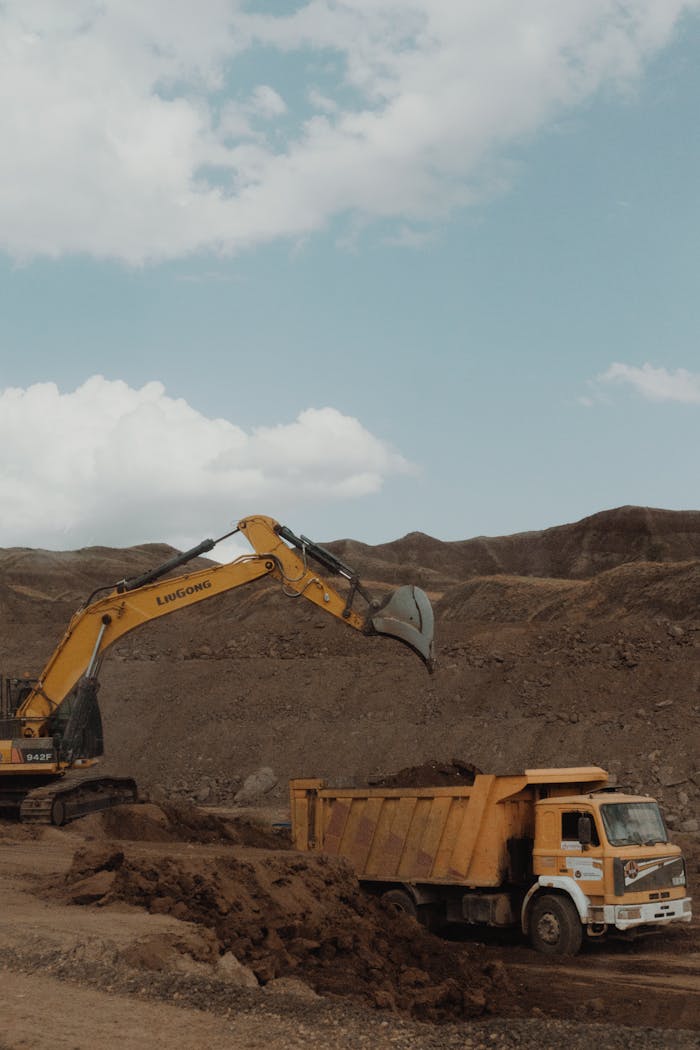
[(53, 732)]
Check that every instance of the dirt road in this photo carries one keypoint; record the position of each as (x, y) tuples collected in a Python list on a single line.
[(117, 975)]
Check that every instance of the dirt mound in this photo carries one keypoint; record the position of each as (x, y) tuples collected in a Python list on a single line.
[(176, 822), (297, 915), (430, 774)]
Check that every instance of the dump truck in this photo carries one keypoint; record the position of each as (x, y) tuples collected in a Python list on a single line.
[(558, 852)]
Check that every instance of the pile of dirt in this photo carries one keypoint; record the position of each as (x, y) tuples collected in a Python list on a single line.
[(291, 915), (178, 822), (430, 774)]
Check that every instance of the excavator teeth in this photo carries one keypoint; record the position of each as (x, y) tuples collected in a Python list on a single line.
[(408, 616)]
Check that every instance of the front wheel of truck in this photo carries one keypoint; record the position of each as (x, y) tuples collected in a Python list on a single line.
[(555, 927)]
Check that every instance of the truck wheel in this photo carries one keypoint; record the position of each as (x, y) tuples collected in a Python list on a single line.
[(555, 927), (399, 900)]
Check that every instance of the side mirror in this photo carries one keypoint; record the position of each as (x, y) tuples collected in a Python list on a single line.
[(585, 831)]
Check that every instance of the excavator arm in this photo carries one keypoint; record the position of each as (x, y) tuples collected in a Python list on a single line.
[(277, 552)]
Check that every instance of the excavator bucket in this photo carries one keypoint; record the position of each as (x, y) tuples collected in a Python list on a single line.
[(408, 615)]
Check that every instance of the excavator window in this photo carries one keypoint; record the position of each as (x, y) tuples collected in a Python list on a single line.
[(14, 691)]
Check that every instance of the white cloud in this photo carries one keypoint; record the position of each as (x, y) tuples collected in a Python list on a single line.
[(125, 138), (407, 237), (107, 464), (656, 384), (267, 102)]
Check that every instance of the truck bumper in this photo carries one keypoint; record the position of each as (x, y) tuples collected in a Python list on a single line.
[(657, 913)]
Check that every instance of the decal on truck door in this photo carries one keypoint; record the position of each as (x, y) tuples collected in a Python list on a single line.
[(585, 869)]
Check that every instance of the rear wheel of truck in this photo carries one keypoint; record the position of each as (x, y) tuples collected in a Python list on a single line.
[(399, 900), (555, 927), (428, 915)]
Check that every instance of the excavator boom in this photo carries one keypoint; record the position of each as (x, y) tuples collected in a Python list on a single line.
[(56, 726)]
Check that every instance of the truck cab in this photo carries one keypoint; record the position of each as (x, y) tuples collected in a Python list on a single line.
[(605, 858)]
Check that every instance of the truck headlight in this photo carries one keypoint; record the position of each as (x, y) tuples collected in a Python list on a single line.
[(630, 913)]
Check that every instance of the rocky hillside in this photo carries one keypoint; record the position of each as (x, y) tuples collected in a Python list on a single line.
[(576, 645), (572, 552)]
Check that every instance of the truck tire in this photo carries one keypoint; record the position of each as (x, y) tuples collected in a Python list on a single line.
[(555, 927), (428, 915), (399, 900)]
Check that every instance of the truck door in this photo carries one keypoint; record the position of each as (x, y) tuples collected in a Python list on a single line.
[(581, 861)]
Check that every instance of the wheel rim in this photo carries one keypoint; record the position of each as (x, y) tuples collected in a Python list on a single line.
[(548, 928)]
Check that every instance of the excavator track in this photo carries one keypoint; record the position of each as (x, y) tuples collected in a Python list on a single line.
[(74, 795)]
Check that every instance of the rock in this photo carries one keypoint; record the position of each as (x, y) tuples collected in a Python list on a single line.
[(675, 630), (267, 968), (204, 793), (256, 785), (158, 793), (690, 825), (384, 1000), (94, 859), (94, 950), (235, 972), (291, 986), (669, 778), (93, 888)]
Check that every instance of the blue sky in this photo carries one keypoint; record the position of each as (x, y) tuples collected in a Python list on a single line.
[(366, 267)]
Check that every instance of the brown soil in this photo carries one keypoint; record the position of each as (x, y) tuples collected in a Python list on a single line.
[(179, 822), (430, 774), (156, 921), (579, 645), (286, 914)]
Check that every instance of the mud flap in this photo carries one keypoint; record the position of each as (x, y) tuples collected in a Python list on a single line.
[(408, 616)]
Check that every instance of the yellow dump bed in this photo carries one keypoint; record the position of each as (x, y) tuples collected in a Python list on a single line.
[(474, 836)]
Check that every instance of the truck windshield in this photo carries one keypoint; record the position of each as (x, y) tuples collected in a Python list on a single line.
[(633, 823)]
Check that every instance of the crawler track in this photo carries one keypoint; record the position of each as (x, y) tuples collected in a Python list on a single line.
[(74, 795)]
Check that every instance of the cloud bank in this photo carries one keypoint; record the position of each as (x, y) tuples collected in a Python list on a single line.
[(110, 465), (655, 384), (146, 132)]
